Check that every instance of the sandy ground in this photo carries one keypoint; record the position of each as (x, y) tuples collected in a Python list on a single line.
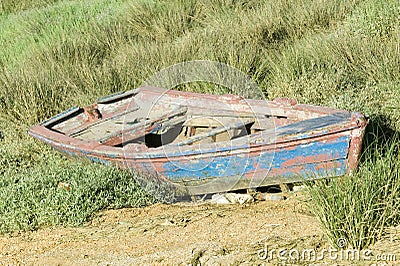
[(184, 234)]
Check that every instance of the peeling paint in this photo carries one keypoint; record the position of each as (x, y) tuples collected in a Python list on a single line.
[(307, 141)]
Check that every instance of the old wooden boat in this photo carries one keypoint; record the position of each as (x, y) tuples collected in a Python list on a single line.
[(202, 143)]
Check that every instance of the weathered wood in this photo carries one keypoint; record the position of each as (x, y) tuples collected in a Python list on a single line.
[(260, 122), (117, 96), (214, 132), (62, 117), (208, 122), (80, 130), (143, 127), (290, 142)]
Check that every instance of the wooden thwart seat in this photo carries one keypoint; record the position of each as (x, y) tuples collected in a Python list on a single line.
[(214, 132)]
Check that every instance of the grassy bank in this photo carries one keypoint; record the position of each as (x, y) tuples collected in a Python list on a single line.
[(39, 187), (57, 54), (359, 207)]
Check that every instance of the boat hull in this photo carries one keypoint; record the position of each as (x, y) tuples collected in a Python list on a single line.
[(293, 153)]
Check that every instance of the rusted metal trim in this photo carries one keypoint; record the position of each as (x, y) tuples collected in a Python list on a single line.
[(92, 112), (356, 140)]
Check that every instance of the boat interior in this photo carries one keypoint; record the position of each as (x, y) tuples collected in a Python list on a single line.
[(133, 118), (119, 122)]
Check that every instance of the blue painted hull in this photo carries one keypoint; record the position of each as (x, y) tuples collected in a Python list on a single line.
[(306, 142)]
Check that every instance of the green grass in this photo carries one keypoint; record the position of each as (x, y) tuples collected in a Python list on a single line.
[(58, 54), (10, 6), (39, 187), (359, 207)]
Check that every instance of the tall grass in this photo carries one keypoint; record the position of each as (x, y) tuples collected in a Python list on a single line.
[(57, 54), (359, 207), (10, 6), (89, 51)]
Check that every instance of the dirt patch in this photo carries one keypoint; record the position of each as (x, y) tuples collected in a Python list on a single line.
[(205, 234)]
